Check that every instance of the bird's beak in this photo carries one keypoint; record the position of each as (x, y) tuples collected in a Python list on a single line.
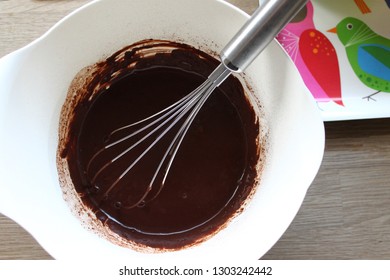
[(333, 30)]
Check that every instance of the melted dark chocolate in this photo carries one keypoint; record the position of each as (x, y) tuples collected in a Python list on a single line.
[(213, 173)]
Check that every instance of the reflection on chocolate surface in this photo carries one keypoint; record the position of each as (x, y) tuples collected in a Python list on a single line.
[(213, 175)]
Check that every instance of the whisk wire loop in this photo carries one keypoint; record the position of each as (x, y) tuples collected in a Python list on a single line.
[(163, 120), (266, 22)]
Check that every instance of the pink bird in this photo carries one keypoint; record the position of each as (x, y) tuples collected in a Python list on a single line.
[(314, 56)]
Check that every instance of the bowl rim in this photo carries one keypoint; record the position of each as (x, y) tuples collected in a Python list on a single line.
[(10, 66)]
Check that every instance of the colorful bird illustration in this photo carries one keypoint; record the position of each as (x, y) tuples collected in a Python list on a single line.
[(367, 52), (314, 56)]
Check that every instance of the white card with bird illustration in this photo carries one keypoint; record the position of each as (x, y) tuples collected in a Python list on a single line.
[(342, 51)]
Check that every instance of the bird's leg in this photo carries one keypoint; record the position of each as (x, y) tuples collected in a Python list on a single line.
[(369, 97), (319, 107)]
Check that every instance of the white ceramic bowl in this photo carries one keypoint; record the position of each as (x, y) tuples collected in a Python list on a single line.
[(34, 82)]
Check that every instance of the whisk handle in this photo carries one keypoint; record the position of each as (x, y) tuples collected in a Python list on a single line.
[(266, 22)]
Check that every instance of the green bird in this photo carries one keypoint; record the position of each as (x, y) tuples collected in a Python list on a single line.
[(367, 52)]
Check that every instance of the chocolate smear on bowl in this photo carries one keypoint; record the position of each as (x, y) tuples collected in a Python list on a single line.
[(214, 173)]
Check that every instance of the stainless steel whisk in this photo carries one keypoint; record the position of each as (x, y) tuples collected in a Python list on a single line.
[(266, 22)]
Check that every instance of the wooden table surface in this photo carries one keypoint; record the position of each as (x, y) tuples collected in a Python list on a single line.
[(346, 213)]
